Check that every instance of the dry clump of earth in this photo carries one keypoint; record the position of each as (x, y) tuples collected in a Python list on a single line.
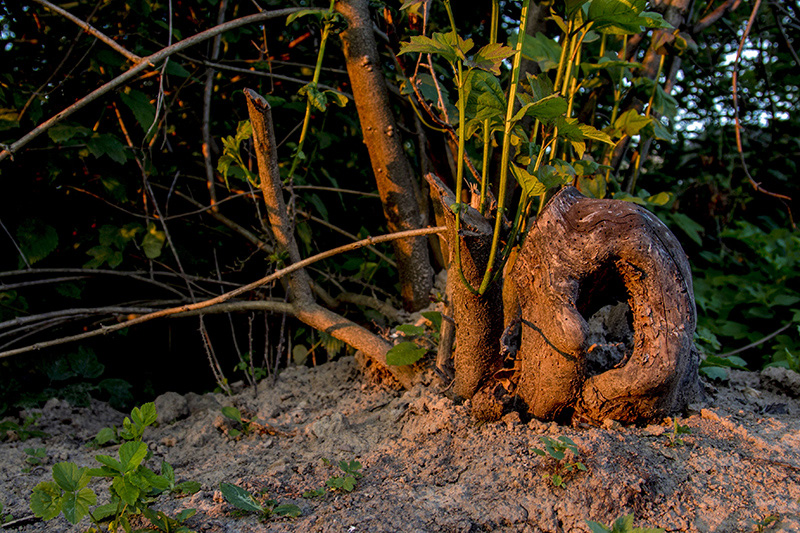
[(429, 467)]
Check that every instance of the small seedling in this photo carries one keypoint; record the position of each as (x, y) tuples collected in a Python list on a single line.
[(347, 482), (105, 437), (181, 489), (4, 517), (421, 340), (557, 449), (766, 523), (315, 493), (623, 524), (344, 483), (677, 429), (13, 431), (232, 413), (34, 457), (132, 487), (244, 500)]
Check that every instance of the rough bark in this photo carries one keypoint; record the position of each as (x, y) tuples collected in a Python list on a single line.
[(393, 173), (302, 301), (478, 318), (573, 250)]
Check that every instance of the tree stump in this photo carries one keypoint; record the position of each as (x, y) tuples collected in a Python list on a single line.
[(580, 255)]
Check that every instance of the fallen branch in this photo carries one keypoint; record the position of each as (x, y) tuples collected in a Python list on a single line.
[(186, 309)]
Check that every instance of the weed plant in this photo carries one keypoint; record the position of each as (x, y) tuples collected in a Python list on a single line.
[(133, 486)]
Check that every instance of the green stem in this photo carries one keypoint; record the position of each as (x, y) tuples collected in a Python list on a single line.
[(655, 86), (486, 123), (326, 30), (485, 169), (504, 160)]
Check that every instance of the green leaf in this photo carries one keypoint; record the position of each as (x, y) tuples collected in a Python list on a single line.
[(103, 512), (76, 504), (147, 414), (490, 57), (689, 226), (443, 44), (287, 509), (153, 242), (176, 69), (315, 97), (336, 97), (299, 354), (434, 317), (715, 372), (539, 86), (232, 412), (303, 13), (240, 498), (657, 129), (729, 362), (410, 329), (543, 50), (597, 527), (168, 472), (547, 110), (485, 97), (630, 123), (127, 491), (85, 364), (404, 353), (140, 106), (574, 5), (531, 186), (187, 487), (70, 477), (106, 144), (46, 500), (36, 239), (64, 132), (131, 454)]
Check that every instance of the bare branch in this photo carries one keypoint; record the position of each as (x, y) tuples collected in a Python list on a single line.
[(146, 62), (756, 185), (207, 92), (205, 305), (88, 28), (715, 15)]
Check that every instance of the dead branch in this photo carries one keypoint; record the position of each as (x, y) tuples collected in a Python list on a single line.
[(715, 15), (207, 305), (145, 63), (757, 186), (88, 28)]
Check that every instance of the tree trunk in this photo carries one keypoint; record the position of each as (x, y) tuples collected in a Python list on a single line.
[(582, 254), (393, 173), (478, 318)]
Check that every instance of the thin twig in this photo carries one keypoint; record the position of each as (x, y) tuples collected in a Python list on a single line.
[(758, 342), (232, 294), (146, 62), (239, 70), (88, 28), (756, 186), (208, 91), (347, 234)]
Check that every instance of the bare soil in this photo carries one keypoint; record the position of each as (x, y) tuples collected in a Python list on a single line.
[(428, 467)]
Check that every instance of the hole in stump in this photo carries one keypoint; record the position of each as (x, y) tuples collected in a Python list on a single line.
[(603, 303)]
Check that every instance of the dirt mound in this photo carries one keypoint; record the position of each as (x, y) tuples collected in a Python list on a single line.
[(427, 467)]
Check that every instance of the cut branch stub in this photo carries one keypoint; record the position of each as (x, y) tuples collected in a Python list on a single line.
[(567, 269), (478, 318)]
